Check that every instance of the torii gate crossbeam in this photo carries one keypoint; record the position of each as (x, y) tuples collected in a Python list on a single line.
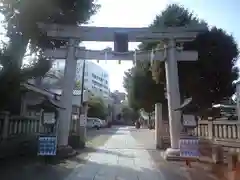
[(92, 33), (101, 55)]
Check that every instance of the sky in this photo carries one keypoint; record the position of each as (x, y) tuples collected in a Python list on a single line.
[(137, 13), (140, 13)]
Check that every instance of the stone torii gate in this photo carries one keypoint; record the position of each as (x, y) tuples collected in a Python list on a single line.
[(170, 36)]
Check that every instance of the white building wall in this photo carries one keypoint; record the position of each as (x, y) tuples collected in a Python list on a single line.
[(96, 79)]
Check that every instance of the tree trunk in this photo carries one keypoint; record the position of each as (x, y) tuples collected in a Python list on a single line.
[(15, 52), (149, 119), (17, 48)]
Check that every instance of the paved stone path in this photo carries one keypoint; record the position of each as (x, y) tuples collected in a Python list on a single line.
[(121, 158)]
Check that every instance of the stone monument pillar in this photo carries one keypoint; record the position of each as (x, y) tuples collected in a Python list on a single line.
[(158, 126)]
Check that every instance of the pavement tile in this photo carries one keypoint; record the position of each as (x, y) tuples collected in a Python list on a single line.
[(173, 169), (120, 158), (126, 155)]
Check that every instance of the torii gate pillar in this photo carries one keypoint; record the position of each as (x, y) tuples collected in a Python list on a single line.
[(173, 95), (66, 97)]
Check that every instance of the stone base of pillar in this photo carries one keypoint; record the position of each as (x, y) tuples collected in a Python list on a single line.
[(172, 154), (76, 142), (160, 144), (160, 147), (65, 151)]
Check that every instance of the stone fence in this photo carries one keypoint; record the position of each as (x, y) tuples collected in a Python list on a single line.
[(18, 134), (221, 132)]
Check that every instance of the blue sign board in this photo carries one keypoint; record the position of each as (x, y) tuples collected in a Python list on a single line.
[(47, 145), (189, 147)]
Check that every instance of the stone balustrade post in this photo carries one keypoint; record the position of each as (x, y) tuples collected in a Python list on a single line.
[(5, 124), (238, 130), (159, 126), (40, 127), (210, 130)]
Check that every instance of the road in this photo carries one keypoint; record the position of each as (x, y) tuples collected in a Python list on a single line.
[(121, 158), (118, 153), (97, 138)]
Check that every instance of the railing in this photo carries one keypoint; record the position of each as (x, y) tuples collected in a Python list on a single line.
[(18, 134), (18, 130), (226, 133), (219, 132), (11, 126)]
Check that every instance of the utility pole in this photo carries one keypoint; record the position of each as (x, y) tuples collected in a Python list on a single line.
[(81, 129), (82, 83)]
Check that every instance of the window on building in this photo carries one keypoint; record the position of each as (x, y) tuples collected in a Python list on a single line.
[(96, 83), (94, 76)]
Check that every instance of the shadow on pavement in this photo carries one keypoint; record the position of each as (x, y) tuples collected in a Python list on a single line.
[(171, 169), (91, 170), (30, 170), (96, 170), (35, 167), (105, 151), (103, 131), (31, 167), (107, 132)]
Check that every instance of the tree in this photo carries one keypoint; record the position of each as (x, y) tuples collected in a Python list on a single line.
[(129, 115), (128, 85), (22, 18), (143, 91), (97, 108), (78, 84), (209, 79)]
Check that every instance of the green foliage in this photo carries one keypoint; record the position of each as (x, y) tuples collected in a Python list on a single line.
[(97, 108), (212, 75), (208, 80), (143, 91), (23, 16), (129, 115), (128, 85), (78, 84), (21, 22)]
